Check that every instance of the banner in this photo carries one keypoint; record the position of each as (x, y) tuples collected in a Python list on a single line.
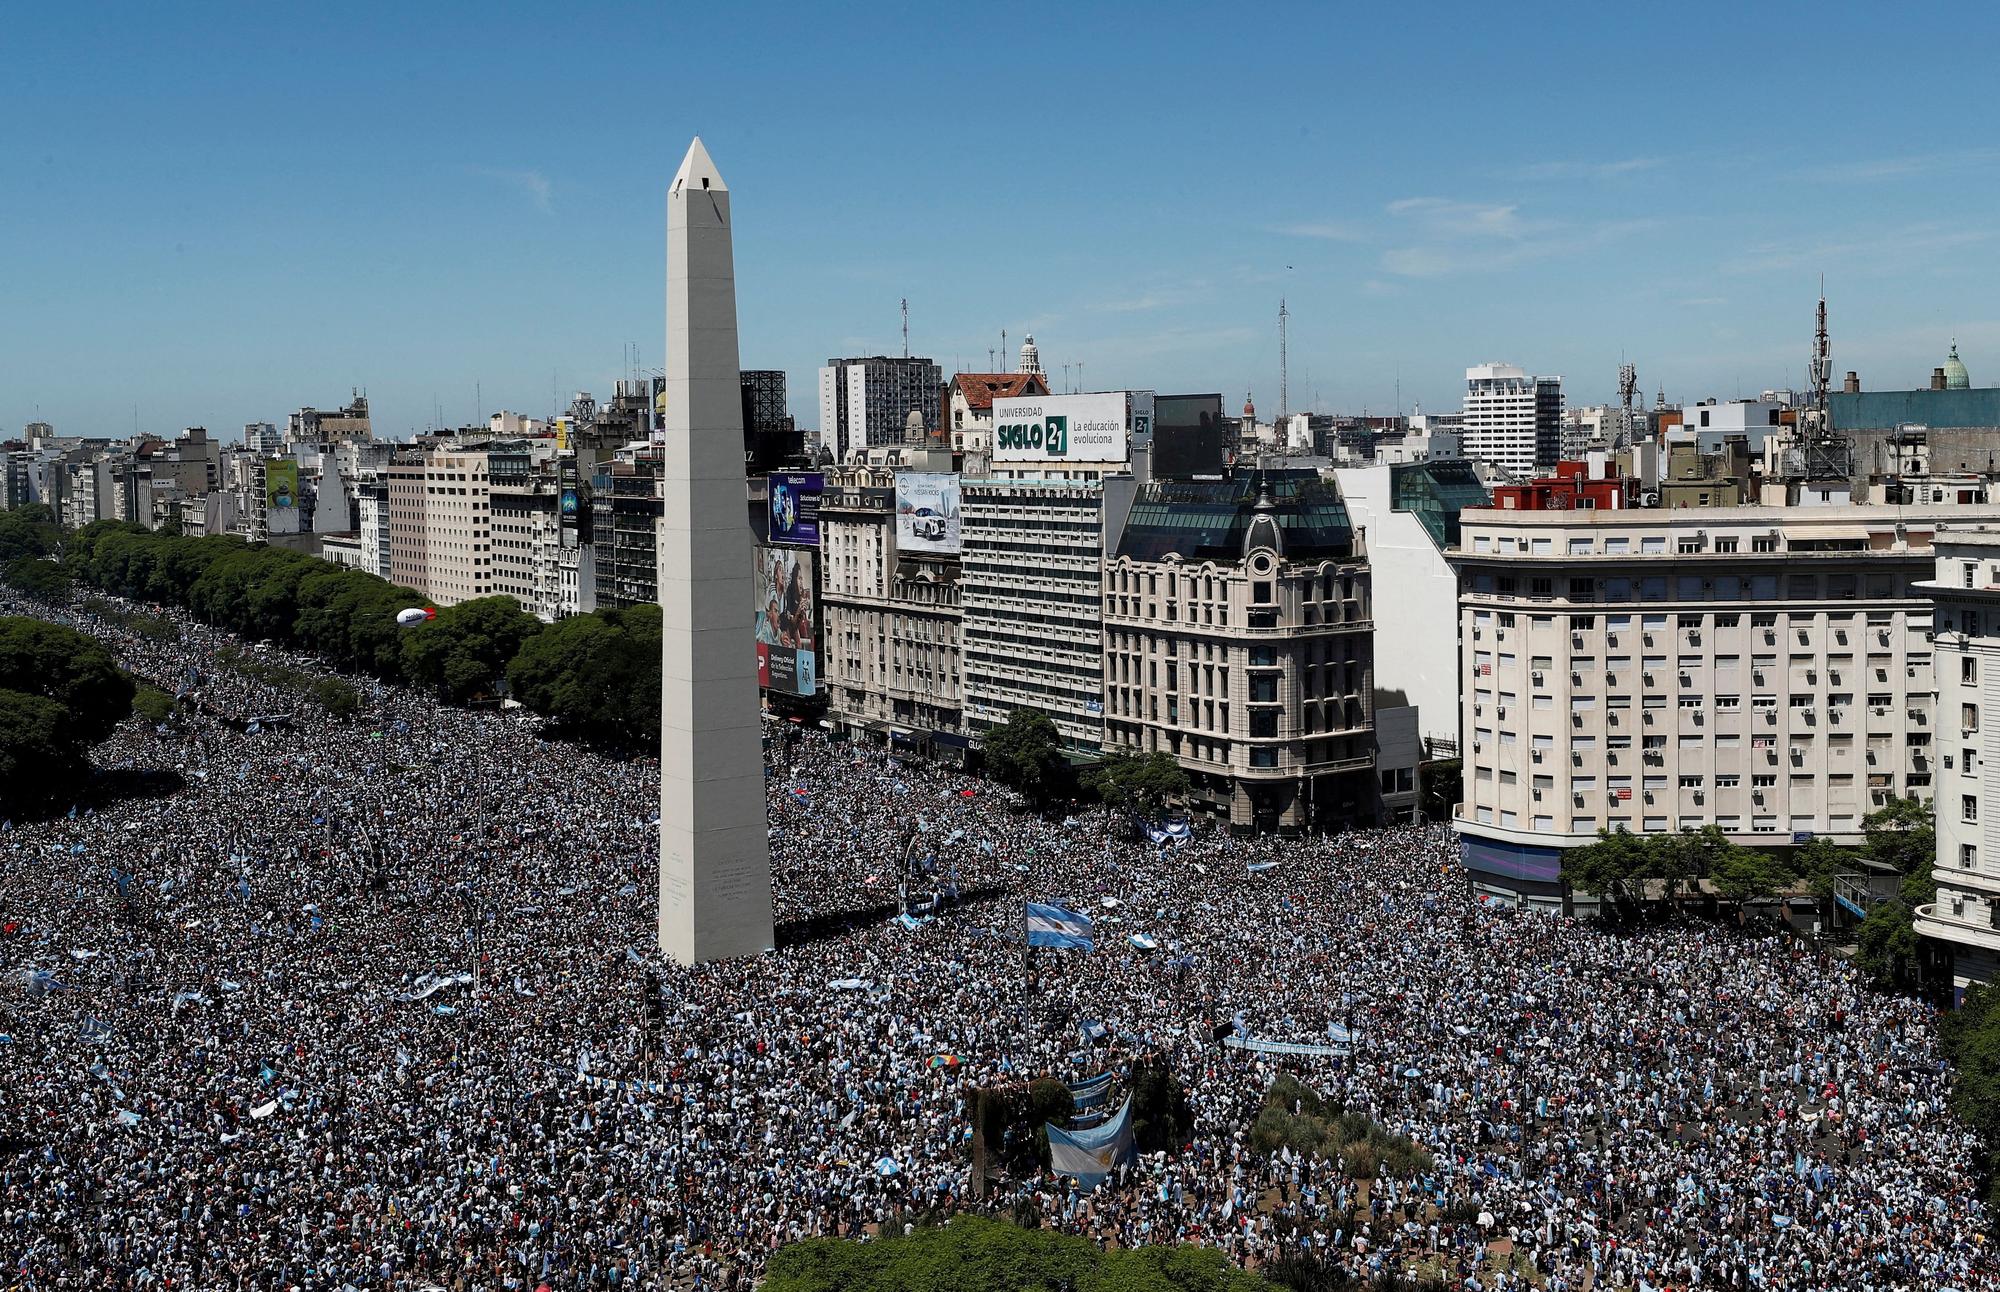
[(1335, 1051), (1090, 1155), (786, 621), (1090, 1092), (794, 506), (1176, 832), (1052, 926), (281, 496), (1062, 428), (927, 512)]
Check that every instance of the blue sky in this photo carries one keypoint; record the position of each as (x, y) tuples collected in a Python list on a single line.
[(214, 214)]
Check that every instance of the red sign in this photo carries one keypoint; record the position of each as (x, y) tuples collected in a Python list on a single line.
[(1624, 794)]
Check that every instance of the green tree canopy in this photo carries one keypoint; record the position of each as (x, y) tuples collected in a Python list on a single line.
[(1142, 783), (1971, 1036), (60, 694), (466, 649), (597, 674), (993, 1256), (1611, 867), (1025, 754)]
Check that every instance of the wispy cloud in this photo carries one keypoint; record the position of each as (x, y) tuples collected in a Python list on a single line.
[(1899, 248), (1326, 230), (1870, 169), (530, 182), (1593, 169), (1448, 236)]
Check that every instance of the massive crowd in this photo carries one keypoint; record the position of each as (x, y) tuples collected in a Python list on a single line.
[(364, 1005)]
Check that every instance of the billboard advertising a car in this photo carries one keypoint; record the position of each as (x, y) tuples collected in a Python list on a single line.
[(1062, 428), (794, 499), (927, 512)]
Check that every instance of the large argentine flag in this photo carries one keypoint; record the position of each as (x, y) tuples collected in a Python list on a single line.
[(1052, 926), (1092, 1154)]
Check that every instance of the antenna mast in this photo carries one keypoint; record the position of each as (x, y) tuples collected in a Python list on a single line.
[(1284, 389), (1628, 390), (1003, 349), (906, 327)]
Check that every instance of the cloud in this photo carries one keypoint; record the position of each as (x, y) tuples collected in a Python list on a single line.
[(1592, 170), (531, 182), (1450, 236), (1889, 249), (1326, 230), (1871, 169)]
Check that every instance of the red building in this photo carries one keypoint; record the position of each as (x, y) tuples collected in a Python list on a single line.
[(1571, 488)]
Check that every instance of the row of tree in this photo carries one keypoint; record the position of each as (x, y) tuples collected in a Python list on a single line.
[(597, 675), (60, 694), (1025, 754)]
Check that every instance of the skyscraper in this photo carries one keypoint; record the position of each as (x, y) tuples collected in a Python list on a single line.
[(715, 858), (865, 403), (1512, 420)]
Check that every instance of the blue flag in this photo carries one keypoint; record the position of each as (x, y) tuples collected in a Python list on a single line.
[(1053, 926)]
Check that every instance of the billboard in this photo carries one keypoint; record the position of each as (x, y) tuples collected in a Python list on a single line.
[(1062, 428), (794, 499), (281, 496), (927, 512), (787, 621)]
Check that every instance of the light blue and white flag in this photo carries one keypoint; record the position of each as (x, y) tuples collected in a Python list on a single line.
[(1092, 1154), (1053, 926)]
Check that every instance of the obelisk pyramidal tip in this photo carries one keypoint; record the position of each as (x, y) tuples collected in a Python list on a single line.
[(715, 857)]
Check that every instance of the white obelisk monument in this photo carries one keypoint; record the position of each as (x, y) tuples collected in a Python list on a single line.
[(715, 857)]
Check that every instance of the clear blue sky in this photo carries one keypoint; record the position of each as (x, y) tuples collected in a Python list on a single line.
[(219, 213)]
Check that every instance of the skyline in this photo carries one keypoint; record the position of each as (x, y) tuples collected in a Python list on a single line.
[(437, 211)]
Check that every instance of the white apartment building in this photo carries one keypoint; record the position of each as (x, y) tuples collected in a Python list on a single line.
[(1763, 669), (458, 526), (1512, 420), (409, 562), (1964, 920), (865, 403), (371, 506)]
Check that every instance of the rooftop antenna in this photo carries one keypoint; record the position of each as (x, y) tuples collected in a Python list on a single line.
[(1065, 378), (1079, 376), (1822, 359), (1628, 390), (989, 358), (1284, 390), (906, 327), (1003, 347)]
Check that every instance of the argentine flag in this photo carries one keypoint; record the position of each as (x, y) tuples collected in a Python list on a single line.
[(1052, 926)]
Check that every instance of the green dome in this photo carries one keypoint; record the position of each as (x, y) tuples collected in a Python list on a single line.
[(1955, 377)]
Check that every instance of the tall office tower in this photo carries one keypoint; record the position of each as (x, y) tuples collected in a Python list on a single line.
[(715, 858), (1512, 420), (866, 403)]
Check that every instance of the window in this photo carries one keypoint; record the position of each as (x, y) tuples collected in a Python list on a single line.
[(1968, 669), (1968, 807), (1764, 543), (1725, 544), (1968, 855), (1968, 716)]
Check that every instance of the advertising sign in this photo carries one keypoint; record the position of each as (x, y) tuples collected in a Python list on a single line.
[(795, 506), (1061, 428), (787, 621), (281, 496), (927, 512)]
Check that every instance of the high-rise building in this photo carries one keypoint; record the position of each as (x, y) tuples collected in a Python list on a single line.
[(771, 438), (261, 439), (1237, 639), (527, 531), (1766, 670), (458, 525), (1512, 420), (866, 403), (312, 426), (1963, 921), (407, 502), (626, 511)]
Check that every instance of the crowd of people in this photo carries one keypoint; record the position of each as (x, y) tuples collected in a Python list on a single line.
[(371, 1004)]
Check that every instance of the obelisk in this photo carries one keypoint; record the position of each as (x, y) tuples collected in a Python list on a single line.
[(715, 857)]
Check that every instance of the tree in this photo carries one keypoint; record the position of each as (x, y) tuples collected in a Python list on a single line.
[(1609, 867), (1742, 875), (1971, 1037), (1901, 835), (1024, 753), (597, 675), (1886, 946), (43, 580), (60, 694), (465, 650), (1141, 783), (994, 1256)]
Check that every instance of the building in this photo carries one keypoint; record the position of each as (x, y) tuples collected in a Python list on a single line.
[(1512, 420), (969, 404), (458, 525), (771, 439), (892, 619), (372, 525), (626, 511), (865, 403), (1408, 515), (527, 534), (261, 439), (1237, 639), (408, 507), (1035, 534), (1763, 669), (1963, 922), (312, 426)]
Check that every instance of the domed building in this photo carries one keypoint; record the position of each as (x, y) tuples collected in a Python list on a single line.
[(1955, 376)]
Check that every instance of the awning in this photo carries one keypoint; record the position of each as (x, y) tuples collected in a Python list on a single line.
[(1826, 533), (951, 738)]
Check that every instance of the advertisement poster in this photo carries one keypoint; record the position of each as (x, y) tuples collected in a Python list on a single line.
[(927, 512), (1062, 428), (787, 621), (795, 507), (281, 484)]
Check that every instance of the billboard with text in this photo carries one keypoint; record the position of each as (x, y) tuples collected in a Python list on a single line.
[(1062, 428), (787, 621), (794, 499)]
